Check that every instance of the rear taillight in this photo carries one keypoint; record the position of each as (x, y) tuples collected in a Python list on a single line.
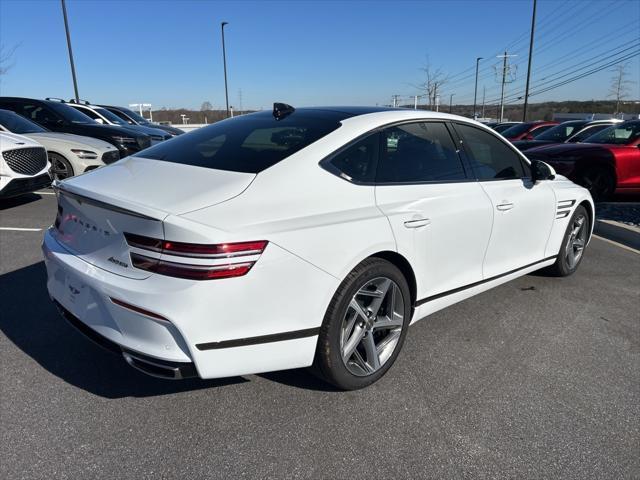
[(194, 250)]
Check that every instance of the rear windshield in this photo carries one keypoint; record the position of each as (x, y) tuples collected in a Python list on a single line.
[(250, 143), (561, 132), (516, 130)]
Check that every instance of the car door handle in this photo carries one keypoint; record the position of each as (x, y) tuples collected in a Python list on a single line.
[(417, 223), (503, 207)]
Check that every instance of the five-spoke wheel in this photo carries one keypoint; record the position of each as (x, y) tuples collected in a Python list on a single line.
[(365, 325)]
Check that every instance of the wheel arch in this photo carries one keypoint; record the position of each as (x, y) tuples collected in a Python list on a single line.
[(590, 215), (405, 267)]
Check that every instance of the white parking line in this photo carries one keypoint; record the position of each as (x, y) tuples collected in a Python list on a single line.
[(17, 229), (616, 244)]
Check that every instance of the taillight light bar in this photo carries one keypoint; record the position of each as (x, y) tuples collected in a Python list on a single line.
[(193, 250), (196, 250)]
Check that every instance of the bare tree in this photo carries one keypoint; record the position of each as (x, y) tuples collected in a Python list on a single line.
[(6, 55), (206, 106), (619, 84), (434, 80)]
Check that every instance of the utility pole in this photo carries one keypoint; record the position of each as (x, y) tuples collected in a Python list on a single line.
[(73, 68), (526, 90), (224, 60), (475, 91), (505, 69), (395, 100), (484, 91), (415, 103), (451, 102)]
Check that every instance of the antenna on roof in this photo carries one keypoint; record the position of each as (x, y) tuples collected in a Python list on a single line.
[(281, 110)]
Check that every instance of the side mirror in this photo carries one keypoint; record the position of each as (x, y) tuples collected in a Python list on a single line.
[(541, 171), (99, 120)]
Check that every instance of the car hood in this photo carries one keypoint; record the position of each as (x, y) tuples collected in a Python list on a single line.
[(527, 144), (71, 141), (566, 150), (13, 140), (145, 185)]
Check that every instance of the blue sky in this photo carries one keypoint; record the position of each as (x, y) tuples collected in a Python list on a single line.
[(168, 53)]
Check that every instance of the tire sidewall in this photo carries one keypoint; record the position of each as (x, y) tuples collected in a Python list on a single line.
[(563, 266)]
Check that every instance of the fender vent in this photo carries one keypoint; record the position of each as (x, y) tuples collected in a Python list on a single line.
[(564, 208)]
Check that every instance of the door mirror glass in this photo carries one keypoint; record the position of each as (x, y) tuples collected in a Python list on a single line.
[(99, 120), (541, 171)]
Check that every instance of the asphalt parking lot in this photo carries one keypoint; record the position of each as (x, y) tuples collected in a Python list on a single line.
[(538, 378)]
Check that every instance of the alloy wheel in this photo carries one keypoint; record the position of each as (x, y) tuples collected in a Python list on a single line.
[(576, 241), (372, 326), (59, 168)]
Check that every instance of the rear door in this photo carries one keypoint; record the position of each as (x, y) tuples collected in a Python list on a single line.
[(523, 213), (441, 218)]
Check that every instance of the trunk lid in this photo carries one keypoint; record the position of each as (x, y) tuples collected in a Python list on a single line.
[(133, 195)]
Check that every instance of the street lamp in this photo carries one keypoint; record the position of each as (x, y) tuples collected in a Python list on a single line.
[(451, 102), (475, 92), (224, 60), (73, 68)]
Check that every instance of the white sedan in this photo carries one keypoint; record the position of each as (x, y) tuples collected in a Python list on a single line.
[(299, 237)]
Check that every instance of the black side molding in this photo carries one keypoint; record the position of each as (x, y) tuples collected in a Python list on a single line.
[(475, 284), (243, 342)]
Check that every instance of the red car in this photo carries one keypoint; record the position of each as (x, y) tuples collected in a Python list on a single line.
[(527, 130), (607, 162)]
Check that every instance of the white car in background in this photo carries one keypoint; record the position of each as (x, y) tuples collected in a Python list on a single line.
[(283, 239), (69, 154), (24, 167)]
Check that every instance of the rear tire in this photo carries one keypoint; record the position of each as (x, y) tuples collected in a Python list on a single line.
[(60, 167), (600, 182), (573, 245), (365, 326)]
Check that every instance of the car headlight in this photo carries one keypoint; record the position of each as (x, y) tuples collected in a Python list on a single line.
[(85, 154), (124, 139)]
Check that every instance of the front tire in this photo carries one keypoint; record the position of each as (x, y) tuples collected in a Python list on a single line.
[(365, 326), (573, 244), (60, 167)]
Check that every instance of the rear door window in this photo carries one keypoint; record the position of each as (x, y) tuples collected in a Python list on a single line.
[(419, 152)]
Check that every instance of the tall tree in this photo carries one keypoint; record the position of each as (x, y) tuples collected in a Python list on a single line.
[(206, 106), (620, 84), (434, 80)]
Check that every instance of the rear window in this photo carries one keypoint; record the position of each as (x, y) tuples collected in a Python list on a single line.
[(249, 144)]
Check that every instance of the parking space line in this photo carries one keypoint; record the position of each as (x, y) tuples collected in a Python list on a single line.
[(616, 244), (18, 229)]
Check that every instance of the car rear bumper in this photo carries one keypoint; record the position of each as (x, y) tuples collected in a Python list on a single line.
[(267, 320), (12, 187)]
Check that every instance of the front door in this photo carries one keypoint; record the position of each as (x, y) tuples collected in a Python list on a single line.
[(523, 213)]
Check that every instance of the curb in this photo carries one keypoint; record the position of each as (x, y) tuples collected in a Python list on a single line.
[(618, 232)]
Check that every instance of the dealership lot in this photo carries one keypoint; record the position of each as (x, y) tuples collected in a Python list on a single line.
[(537, 378)]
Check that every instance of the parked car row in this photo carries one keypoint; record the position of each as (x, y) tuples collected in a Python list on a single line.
[(601, 155), (76, 136)]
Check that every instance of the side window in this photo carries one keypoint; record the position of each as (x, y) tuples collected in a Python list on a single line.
[(489, 156), (88, 112), (37, 113), (540, 130), (582, 135), (357, 162), (419, 152)]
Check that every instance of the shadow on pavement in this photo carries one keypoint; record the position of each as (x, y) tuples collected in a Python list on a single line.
[(33, 324), (19, 200)]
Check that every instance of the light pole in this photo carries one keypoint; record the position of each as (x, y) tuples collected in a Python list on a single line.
[(73, 68), (451, 102), (475, 91), (224, 61), (526, 90)]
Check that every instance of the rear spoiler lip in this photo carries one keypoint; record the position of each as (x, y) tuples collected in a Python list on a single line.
[(60, 189)]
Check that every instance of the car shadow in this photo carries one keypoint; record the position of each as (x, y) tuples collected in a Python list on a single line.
[(30, 320), (7, 203)]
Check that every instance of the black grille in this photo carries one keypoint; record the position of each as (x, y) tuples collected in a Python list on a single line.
[(110, 157), (27, 161)]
